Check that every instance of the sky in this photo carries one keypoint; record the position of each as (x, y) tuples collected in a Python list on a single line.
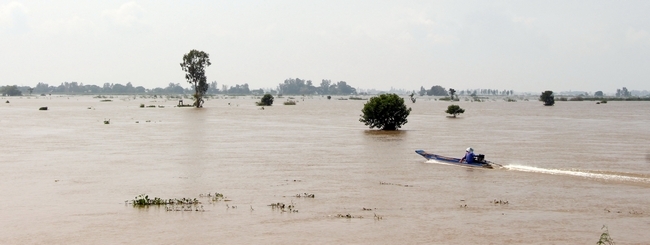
[(463, 44)]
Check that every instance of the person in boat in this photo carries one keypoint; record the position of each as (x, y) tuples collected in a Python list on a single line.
[(469, 156)]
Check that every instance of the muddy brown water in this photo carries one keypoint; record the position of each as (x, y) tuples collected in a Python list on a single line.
[(568, 170)]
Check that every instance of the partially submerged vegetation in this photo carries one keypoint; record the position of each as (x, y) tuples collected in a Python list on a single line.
[(454, 110), (177, 204), (547, 97), (386, 112), (605, 238), (267, 100)]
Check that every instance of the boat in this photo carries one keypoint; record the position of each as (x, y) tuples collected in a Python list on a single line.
[(480, 161)]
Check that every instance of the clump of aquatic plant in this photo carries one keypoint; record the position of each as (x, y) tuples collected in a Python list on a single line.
[(377, 217), (290, 102), (605, 238), (283, 207), (141, 105), (305, 195), (107, 121), (105, 100), (349, 216), (215, 197), (143, 200), (151, 106), (500, 202), (356, 98), (386, 183)]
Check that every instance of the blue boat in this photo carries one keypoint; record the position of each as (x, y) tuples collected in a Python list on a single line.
[(479, 160)]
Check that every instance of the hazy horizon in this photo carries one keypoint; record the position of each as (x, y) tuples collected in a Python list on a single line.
[(525, 46)]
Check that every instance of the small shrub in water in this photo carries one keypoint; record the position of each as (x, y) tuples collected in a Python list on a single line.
[(605, 238)]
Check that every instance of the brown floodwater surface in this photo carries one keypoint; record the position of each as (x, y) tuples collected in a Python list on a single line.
[(568, 170)]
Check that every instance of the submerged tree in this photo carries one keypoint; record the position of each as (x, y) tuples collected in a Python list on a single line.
[(547, 98), (194, 64), (454, 110), (386, 112), (266, 100), (451, 93)]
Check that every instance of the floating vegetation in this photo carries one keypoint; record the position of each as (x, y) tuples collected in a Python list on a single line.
[(151, 106), (291, 102), (7, 102), (349, 216), (500, 202), (367, 209), (216, 197), (44, 108), (510, 100), (107, 121), (377, 217), (386, 183), (143, 200), (141, 105), (342, 99), (305, 195), (356, 98), (105, 100), (633, 212), (283, 208)]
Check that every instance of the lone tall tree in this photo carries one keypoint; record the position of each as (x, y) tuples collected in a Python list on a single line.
[(386, 111), (194, 64)]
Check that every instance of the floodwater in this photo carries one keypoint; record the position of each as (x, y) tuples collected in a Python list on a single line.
[(569, 170)]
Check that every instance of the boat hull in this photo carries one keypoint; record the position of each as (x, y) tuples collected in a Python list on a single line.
[(451, 160)]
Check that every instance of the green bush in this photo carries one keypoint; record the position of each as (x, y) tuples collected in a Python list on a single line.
[(454, 110), (386, 112), (267, 100)]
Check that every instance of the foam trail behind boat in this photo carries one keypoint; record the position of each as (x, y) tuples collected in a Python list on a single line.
[(605, 176)]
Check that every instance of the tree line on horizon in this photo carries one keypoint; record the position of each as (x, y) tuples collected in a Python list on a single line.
[(290, 86), (438, 90)]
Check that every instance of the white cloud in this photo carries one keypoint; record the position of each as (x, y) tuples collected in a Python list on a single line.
[(13, 17), (129, 15)]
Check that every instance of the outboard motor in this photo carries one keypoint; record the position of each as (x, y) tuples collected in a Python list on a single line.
[(479, 158)]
